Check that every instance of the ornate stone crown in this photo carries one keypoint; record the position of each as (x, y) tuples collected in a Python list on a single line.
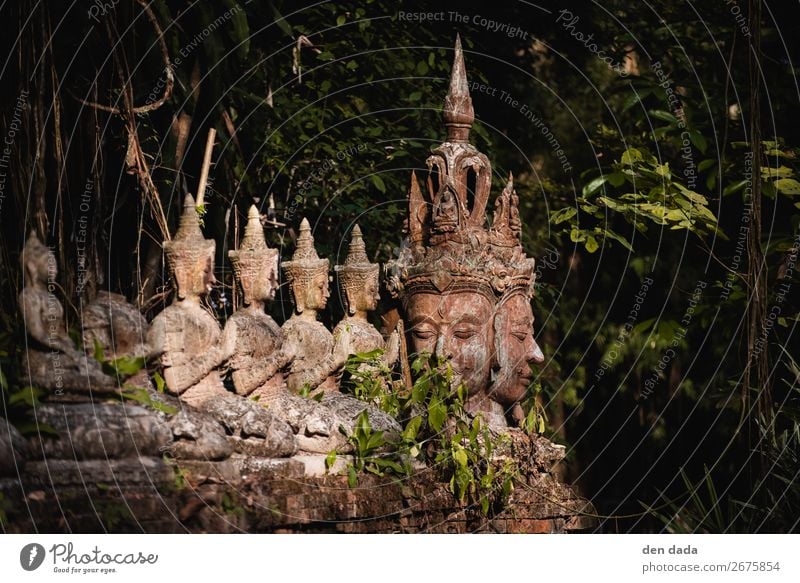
[(188, 246), (357, 268), (449, 247), (305, 263), (254, 255)]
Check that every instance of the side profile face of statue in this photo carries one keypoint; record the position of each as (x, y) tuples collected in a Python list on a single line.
[(456, 326), (366, 298), (38, 265), (264, 285), (515, 348), (314, 294), (195, 280)]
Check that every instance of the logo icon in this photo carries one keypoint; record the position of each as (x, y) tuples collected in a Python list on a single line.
[(31, 556)]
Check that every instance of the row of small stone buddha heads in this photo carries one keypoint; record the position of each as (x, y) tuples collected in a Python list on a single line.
[(255, 267)]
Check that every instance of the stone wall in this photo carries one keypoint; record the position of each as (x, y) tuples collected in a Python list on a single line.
[(140, 492)]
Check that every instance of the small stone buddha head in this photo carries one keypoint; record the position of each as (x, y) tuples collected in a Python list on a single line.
[(307, 274), (358, 278), (190, 256), (38, 262), (255, 264)]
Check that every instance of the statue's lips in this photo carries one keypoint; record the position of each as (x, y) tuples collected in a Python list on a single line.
[(525, 376)]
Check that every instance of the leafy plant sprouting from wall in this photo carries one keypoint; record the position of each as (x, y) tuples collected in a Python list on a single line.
[(437, 430)]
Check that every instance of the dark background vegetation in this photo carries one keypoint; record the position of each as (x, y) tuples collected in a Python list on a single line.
[(289, 87)]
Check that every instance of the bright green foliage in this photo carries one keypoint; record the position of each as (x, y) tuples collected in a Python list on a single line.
[(436, 430), (641, 191)]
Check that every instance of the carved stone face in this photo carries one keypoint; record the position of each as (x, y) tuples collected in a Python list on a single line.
[(261, 286), (456, 326), (314, 294), (364, 297), (194, 280), (516, 349), (38, 265)]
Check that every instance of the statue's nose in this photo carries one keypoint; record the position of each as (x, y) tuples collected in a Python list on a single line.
[(536, 354), (440, 346)]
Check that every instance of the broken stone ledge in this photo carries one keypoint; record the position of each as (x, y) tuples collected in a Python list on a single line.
[(112, 477)]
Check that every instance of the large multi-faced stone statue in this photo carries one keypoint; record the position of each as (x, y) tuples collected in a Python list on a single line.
[(307, 343), (257, 359), (454, 272), (360, 286), (185, 338), (51, 358)]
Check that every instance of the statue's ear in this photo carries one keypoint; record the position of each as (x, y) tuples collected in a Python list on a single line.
[(180, 282), (299, 301), (498, 325)]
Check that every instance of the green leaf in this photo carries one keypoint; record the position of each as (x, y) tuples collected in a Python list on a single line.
[(126, 366), (240, 29), (377, 181), (663, 170), (437, 414), (675, 215), (633, 99), (698, 140), (694, 196), (99, 354), (278, 19), (591, 244), (563, 215), (576, 235), (460, 457), (616, 179), (160, 382), (788, 186), (630, 156), (705, 165), (593, 186), (330, 459), (28, 395), (734, 187), (779, 172), (664, 116), (412, 428), (352, 477), (375, 441), (619, 239)]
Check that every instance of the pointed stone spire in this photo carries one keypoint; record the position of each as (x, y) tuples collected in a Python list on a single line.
[(357, 253), (253, 232), (305, 262), (305, 244), (458, 114), (189, 226)]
